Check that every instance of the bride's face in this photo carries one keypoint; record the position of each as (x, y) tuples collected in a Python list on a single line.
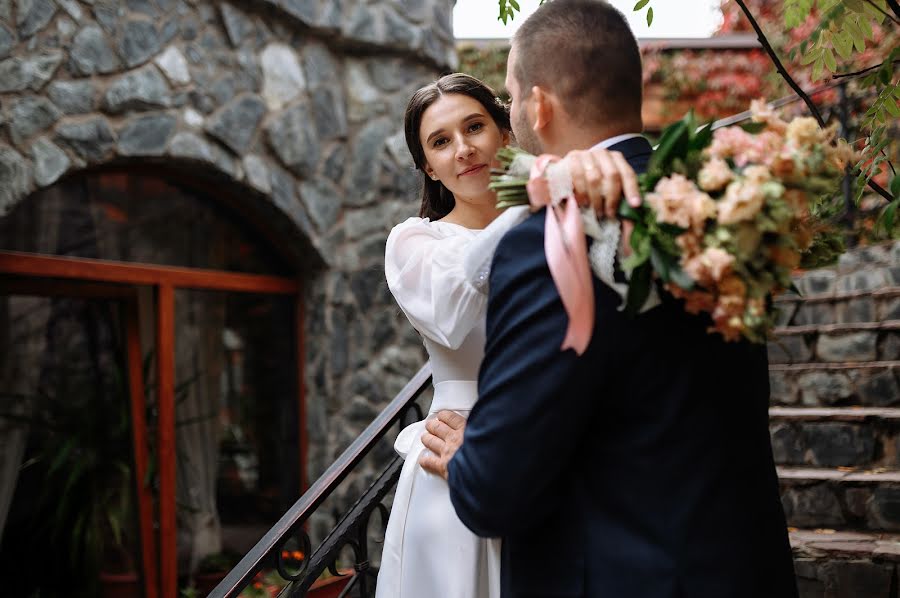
[(460, 140)]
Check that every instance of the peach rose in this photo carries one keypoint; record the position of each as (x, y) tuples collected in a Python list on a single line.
[(689, 243), (804, 131), (729, 310), (760, 149), (763, 113), (714, 175), (783, 166), (678, 201), (728, 142), (695, 302), (743, 201), (784, 256), (709, 267)]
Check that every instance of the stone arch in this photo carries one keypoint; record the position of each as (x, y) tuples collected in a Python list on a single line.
[(298, 101), (295, 106), (252, 188)]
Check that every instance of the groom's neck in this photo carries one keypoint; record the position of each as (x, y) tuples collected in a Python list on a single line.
[(573, 137)]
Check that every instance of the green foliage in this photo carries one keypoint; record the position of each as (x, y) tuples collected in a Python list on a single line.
[(84, 451), (508, 10), (487, 63), (846, 28), (640, 5), (679, 150)]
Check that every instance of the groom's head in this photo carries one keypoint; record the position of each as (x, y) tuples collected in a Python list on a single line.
[(574, 77)]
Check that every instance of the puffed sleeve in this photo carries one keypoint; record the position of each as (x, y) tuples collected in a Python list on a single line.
[(440, 279), (424, 270)]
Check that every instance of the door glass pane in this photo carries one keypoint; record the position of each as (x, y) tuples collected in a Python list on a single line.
[(237, 422), (67, 488), (135, 218)]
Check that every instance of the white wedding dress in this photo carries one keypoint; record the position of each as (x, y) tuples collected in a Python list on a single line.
[(438, 274)]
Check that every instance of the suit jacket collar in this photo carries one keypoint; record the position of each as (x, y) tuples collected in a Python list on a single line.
[(631, 147)]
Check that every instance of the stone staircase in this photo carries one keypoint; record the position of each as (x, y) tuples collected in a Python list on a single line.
[(835, 424)]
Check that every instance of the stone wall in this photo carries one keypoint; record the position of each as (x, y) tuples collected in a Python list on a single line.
[(295, 104)]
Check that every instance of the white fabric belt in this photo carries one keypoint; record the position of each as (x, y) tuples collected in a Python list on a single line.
[(453, 395)]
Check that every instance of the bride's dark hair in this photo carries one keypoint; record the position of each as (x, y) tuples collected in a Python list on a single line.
[(437, 200)]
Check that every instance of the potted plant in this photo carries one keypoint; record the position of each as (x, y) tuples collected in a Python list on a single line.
[(212, 569), (80, 421)]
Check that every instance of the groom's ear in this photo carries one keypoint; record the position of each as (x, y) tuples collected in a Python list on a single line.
[(543, 107)]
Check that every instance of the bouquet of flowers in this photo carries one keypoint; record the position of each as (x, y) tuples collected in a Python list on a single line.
[(728, 215)]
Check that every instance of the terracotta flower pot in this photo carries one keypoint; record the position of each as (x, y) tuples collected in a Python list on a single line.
[(331, 587), (206, 582), (120, 585)]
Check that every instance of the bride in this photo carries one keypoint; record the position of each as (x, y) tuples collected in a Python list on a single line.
[(437, 268)]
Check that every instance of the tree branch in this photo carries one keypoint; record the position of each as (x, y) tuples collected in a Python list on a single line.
[(885, 13), (880, 190), (780, 67), (862, 72), (793, 84)]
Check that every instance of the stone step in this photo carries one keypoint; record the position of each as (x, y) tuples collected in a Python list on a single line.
[(872, 384), (845, 564), (839, 308), (836, 436), (858, 342), (841, 498)]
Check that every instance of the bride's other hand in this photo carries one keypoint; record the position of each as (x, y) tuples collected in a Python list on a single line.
[(600, 178), (443, 437)]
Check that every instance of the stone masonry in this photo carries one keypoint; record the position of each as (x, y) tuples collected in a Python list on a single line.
[(835, 424), (296, 103)]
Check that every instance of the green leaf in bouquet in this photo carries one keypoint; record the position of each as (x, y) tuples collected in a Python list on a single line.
[(670, 229), (640, 246), (630, 213), (753, 128), (783, 277), (702, 137), (680, 278), (690, 120), (672, 143), (638, 289), (895, 186), (825, 249), (660, 263)]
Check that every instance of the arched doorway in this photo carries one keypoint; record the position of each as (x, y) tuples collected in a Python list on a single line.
[(151, 375)]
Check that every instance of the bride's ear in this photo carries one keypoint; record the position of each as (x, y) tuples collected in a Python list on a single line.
[(429, 172)]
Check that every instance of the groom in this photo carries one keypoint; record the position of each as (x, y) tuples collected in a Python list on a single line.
[(643, 468)]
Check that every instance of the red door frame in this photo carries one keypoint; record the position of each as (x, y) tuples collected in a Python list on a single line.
[(54, 275)]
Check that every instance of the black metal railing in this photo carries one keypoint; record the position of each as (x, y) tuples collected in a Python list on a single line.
[(351, 532)]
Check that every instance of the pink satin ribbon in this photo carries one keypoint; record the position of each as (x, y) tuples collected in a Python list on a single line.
[(566, 248)]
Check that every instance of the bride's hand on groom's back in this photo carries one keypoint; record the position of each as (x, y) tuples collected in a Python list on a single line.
[(443, 436)]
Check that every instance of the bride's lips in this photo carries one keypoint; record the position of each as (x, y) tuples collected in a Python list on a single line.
[(473, 170)]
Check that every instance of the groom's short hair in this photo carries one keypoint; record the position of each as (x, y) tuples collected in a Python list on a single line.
[(585, 52)]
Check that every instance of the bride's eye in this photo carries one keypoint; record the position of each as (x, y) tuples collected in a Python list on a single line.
[(439, 142), (475, 127)]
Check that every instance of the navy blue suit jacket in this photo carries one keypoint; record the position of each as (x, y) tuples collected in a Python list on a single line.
[(642, 469)]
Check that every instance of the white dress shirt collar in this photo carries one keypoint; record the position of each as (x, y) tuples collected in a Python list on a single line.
[(614, 140)]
